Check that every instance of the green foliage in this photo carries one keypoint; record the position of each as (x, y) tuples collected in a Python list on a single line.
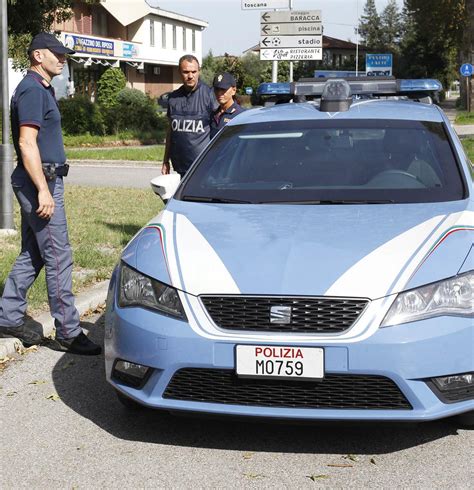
[(432, 39), (134, 110), (391, 20), (79, 115), (109, 85), (370, 29)]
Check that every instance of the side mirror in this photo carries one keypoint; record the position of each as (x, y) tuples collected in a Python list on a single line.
[(165, 185)]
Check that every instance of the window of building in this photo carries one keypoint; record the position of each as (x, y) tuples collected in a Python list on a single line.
[(194, 41), (163, 35), (184, 39), (152, 32), (174, 37)]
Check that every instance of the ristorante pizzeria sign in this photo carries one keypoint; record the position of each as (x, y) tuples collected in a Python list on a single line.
[(90, 45)]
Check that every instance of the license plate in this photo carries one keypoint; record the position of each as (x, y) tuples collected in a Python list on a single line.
[(280, 362)]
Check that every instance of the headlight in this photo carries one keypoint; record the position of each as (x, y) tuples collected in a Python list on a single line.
[(137, 289), (453, 296)]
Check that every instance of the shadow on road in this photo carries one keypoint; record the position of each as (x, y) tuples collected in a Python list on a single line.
[(80, 382)]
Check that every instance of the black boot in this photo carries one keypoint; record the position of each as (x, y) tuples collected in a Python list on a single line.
[(79, 345), (26, 334)]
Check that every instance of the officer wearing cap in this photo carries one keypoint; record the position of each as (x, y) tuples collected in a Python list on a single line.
[(224, 90), (190, 109), (38, 185)]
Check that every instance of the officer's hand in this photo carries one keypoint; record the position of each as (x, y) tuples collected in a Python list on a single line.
[(165, 169), (46, 204)]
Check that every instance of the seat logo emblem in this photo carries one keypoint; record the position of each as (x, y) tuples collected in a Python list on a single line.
[(280, 314)]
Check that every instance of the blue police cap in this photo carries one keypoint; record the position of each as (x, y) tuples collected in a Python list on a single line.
[(224, 80), (45, 40)]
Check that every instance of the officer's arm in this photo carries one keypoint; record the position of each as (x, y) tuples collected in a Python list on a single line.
[(165, 169), (32, 161)]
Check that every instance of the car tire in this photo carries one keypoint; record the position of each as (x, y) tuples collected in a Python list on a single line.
[(466, 420), (128, 403)]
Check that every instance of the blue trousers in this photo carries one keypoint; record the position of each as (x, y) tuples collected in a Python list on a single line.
[(44, 243)]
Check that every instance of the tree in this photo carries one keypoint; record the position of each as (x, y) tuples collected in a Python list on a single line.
[(29, 17), (391, 21), (370, 28), (432, 38)]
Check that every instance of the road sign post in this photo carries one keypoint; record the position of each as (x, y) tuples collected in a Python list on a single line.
[(466, 71), (6, 153)]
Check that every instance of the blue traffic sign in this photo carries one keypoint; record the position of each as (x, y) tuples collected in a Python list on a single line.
[(249, 90), (466, 70)]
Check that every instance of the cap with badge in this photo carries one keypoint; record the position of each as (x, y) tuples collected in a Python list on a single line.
[(224, 81), (45, 40)]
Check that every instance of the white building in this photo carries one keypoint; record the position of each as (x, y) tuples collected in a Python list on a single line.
[(145, 42)]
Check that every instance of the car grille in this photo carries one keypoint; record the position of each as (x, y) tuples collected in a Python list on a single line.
[(308, 315), (334, 391)]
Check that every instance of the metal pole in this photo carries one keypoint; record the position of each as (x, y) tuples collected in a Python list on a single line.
[(357, 40), (6, 160), (291, 62), (468, 95)]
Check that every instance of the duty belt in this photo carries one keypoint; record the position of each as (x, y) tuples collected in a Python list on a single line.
[(51, 170)]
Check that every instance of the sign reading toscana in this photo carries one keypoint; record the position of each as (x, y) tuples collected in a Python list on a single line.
[(265, 4)]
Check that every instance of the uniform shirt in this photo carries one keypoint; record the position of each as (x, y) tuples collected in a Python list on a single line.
[(190, 116), (34, 104), (220, 119)]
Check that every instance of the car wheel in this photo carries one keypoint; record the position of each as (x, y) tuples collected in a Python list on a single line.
[(467, 419), (128, 403)]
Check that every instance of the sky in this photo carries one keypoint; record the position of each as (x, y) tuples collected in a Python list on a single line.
[(233, 30)]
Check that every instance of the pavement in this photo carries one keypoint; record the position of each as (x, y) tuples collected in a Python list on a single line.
[(86, 301)]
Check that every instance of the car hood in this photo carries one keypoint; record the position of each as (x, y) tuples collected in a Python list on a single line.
[(335, 250)]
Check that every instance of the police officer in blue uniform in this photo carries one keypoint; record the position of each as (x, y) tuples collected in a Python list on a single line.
[(224, 90), (190, 109), (38, 185)]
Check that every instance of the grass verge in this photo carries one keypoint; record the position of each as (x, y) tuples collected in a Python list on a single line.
[(125, 138), (140, 154), (464, 118), (101, 222)]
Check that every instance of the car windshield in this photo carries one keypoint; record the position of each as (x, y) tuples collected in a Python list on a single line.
[(327, 162)]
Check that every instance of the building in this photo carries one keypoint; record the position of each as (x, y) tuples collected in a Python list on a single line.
[(145, 42)]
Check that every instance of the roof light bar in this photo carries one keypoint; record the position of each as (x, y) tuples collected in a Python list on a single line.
[(280, 88)]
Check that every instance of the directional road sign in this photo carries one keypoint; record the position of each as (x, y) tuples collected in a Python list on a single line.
[(287, 29), (466, 70), (265, 4), (291, 16), (291, 54), (291, 41)]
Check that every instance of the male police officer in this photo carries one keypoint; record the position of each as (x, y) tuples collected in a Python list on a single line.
[(224, 90), (38, 185), (190, 109)]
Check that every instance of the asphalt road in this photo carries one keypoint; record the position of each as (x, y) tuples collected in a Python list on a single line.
[(110, 175), (86, 439)]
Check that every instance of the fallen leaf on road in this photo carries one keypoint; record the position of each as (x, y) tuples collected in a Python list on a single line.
[(316, 477), (53, 396), (5, 359), (12, 393), (38, 382), (253, 475), (352, 457), (33, 348), (372, 460), (337, 465), (68, 365), (247, 455)]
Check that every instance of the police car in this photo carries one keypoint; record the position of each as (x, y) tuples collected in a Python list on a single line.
[(315, 263)]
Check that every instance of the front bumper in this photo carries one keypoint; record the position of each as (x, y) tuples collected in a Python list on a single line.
[(406, 354)]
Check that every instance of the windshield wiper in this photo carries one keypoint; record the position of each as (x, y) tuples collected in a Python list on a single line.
[(332, 201), (214, 200)]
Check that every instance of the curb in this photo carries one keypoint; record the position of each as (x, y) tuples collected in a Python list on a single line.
[(85, 301)]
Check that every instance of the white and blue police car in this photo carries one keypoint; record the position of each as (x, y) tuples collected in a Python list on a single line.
[(315, 263)]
